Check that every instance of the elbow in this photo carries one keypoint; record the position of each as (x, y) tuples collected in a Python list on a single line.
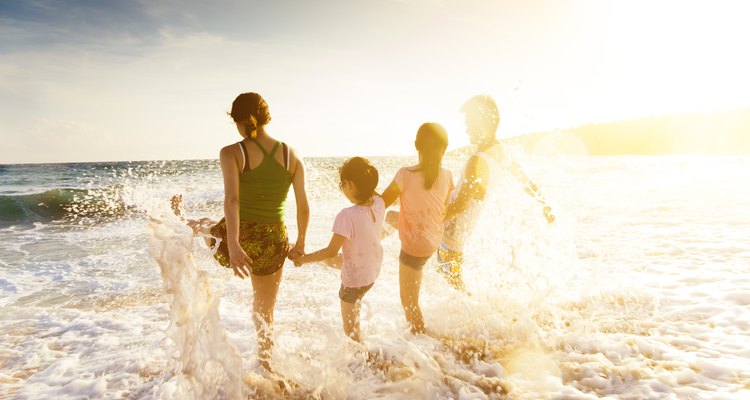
[(389, 199), (303, 216), (231, 202)]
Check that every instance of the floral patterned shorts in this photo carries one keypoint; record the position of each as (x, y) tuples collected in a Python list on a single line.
[(449, 264), (266, 244)]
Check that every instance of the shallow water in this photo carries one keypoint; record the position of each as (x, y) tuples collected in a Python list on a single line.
[(637, 291)]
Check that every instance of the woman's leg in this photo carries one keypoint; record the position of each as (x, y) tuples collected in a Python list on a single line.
[(350, 318), (265, 289), (410, 281)]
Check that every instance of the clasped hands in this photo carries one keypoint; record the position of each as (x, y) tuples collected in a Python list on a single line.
[(296, 253)]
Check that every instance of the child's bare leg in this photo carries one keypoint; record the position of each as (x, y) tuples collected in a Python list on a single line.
[(410, 282), (350, 319), (201, 226)]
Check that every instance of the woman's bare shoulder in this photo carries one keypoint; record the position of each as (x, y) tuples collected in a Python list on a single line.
[(296, 163), (230, 152), (294, 155), (230, 148)]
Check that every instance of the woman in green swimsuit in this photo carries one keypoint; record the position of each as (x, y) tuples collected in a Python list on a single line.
[(258, 172)]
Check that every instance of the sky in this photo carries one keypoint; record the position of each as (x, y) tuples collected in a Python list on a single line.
[(106, 80)]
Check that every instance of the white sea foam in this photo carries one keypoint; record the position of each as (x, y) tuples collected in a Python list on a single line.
[(638, 291)]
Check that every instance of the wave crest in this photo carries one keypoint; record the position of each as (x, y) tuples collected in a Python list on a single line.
[(63, 205)]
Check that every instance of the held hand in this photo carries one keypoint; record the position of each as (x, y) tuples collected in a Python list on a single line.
[(239, 261), (298, 260), (296, 252), (548, 214)]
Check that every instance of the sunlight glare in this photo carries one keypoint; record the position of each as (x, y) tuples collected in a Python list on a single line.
[(688, 51)]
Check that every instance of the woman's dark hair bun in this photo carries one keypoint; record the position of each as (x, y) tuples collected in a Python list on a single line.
[(250, 107)]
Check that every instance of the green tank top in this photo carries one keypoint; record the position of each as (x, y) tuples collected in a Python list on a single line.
[(263, 189)]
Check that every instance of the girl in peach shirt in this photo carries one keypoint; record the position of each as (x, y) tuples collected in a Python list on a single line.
[(423, 190)]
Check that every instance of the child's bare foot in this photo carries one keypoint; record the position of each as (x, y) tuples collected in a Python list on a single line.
[(201, 226)]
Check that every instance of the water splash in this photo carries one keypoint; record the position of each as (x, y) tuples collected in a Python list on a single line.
[(207, 365)]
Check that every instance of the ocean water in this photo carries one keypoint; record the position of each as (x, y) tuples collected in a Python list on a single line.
[(639, 290)]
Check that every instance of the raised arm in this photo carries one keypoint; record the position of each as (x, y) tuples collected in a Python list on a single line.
[(303, 207), (238, 259), (532, 190)]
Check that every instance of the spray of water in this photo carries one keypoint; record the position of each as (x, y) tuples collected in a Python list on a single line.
[(482, 346), (207, 364), (649, 303)]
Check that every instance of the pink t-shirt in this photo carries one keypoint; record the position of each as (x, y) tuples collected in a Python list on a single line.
[(420, 222), (362, 251)]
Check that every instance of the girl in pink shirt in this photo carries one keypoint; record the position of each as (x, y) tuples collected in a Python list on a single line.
[(358, 229), (424, 190)]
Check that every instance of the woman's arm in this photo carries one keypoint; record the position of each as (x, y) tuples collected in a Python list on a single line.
[(303, 207), (325, 253), (238, 259)]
